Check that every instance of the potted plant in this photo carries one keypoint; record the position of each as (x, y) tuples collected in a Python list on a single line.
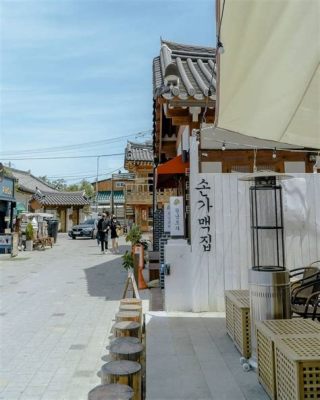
[(134, 236), (138, 245), (29, 237), (127, 261)]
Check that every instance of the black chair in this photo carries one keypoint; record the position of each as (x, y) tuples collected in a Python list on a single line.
[(308, 283), (311, 308)]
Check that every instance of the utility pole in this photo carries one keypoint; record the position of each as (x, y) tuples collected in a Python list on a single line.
[(112, 194), (97, 177)]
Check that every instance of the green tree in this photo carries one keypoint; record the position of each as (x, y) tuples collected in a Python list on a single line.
[(87, 187), (74, 187)]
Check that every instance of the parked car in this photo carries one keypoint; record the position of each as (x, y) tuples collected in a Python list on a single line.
[(85, 229)]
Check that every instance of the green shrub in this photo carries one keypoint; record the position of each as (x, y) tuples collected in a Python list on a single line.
[(29, 231), (134, 236), (127, 262)]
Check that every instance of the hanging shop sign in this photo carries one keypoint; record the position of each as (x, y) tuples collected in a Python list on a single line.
[(166, 216), (176, 216), (6, 188), (6, 242)]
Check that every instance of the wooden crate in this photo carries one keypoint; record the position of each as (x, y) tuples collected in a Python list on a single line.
[(229, 316), (266, 333), (297, 361), (238, 319)]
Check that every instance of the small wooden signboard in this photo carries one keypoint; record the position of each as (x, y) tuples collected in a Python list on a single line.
[(131, 285)]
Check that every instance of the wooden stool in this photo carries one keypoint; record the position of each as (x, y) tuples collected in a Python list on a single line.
[(111, 392), (132, 307), (127, 316), (131, 300), (124, 372), (127, 328), (130, 339), (124, 349)]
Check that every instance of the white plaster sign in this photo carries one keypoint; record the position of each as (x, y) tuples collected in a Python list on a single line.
[(167, 217), (176, 216)]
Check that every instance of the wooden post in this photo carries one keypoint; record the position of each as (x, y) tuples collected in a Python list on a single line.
[(131, 307), (132, 300), (127, 328), (111, 392), (124, 372), (130, 339), (124, 349), (128, 316)]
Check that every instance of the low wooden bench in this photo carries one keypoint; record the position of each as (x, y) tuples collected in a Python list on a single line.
[(41, 243), (154, 271)]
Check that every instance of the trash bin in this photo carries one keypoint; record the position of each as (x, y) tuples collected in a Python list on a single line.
[(53, 228)]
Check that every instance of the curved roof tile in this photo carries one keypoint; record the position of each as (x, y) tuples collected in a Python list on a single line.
[(139, 152), (61, 198), (196, 66)]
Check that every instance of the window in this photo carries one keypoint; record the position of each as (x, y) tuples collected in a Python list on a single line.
[(120, 184)]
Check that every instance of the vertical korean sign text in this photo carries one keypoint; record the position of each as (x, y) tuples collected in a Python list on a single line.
[(204, 206), (176, 216), (166, 217)]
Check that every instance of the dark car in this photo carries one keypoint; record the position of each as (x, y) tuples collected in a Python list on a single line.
[(85, 229)]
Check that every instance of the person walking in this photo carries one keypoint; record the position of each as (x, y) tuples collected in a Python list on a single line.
[(107, 224), (103, 227), (96, 229), (114, 225)]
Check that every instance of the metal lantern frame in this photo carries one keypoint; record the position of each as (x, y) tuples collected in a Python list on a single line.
[(267, 188)]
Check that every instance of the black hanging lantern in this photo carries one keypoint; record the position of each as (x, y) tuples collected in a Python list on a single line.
[(267, 224)]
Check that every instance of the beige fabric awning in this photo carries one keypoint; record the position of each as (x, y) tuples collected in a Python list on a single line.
[(269, 75)]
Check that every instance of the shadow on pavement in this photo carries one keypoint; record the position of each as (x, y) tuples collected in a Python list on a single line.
[(108, 278)]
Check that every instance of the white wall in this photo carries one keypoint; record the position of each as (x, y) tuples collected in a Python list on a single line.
[(226, 265)]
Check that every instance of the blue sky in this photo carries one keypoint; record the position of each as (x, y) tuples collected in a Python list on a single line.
[(81, 71)]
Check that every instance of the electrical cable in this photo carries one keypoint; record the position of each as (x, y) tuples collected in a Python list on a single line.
[(62, 157), (76, 146)]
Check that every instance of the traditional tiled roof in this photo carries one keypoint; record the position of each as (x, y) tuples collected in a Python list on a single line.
[(184, 72), (139, 152), (105, 197), (29, 183), (60, 198)]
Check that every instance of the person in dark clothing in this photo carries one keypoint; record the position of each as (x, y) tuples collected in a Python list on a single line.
[(103, 228), (114, 225)]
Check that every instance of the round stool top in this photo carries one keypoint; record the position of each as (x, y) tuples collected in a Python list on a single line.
[(113, 391), (128, 339), (127, 314), (121, 367), (130, 307), (126, 325), (132, 300), (125, 347)]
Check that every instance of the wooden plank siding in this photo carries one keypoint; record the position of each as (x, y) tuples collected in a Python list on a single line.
[(230, 258)]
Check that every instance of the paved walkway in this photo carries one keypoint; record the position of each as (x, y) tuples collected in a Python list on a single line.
[(190, 357), (57, 308)]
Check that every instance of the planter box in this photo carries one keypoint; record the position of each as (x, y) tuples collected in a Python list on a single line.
[(238, 319), (29, 245), (297, 360), (269, 331)]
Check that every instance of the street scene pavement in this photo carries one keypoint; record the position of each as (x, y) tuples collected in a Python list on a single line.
[(56, 313)]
